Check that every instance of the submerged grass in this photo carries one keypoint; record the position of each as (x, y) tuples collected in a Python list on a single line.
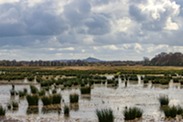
[(105, 115)]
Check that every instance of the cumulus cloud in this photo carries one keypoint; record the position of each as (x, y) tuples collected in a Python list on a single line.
[(118, 29)]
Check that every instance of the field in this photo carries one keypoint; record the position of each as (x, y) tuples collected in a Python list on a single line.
[(91, 93)]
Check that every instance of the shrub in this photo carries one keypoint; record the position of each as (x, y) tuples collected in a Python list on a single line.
[(105, 115), (32, 100), (2, 111), (74, 98), (132, 113), (164, 100), (85, 90)]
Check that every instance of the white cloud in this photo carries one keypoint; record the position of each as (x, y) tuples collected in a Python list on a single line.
[(82, 28), (8, 1)]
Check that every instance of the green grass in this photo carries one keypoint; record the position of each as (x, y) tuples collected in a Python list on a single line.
[(105, 115), (164, 101), (85, 90), (32, 100), (132, 113), (74, 98), (2, 111)]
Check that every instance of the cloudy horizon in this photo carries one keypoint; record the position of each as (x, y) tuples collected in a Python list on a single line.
[(77, 29)]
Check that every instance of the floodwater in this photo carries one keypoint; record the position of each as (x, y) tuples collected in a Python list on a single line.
[(144, 96)]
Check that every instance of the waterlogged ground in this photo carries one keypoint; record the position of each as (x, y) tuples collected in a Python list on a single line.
[(144, 96)]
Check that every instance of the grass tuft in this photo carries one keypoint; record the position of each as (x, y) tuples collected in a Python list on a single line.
[(2, 111), (74, 98), (32, 100), (164, 101), (105, 115), (132, 113)]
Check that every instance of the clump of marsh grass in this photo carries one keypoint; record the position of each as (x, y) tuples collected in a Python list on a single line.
[(15, 105), (56, 99), (34, 90), (105, 115), (74, 98), (173, 111), (2, 111), (66, 110), (46, 100), (53, 99), (32, 100), (164, 101), (42, 92), (85, 90), (170, 111), (132, 113)]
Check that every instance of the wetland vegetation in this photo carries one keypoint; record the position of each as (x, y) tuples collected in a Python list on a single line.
[(91, 90)]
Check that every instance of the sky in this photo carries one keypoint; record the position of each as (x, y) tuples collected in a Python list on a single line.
[(77, 29)]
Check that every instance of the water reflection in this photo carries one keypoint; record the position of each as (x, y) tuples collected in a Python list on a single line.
[(32, 110)]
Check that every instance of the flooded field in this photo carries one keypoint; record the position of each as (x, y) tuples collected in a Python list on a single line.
[(118, 98)]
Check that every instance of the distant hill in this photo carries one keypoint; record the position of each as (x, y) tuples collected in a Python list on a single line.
[(91, 60), (167, 59)]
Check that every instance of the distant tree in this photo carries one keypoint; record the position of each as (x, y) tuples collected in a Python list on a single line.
[(146, 61)]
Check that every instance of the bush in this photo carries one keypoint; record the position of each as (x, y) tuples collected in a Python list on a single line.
[(74, 98), (132, 113), (32, 100), (85, 90), (164, 100), (105, 115), (2, 111)]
